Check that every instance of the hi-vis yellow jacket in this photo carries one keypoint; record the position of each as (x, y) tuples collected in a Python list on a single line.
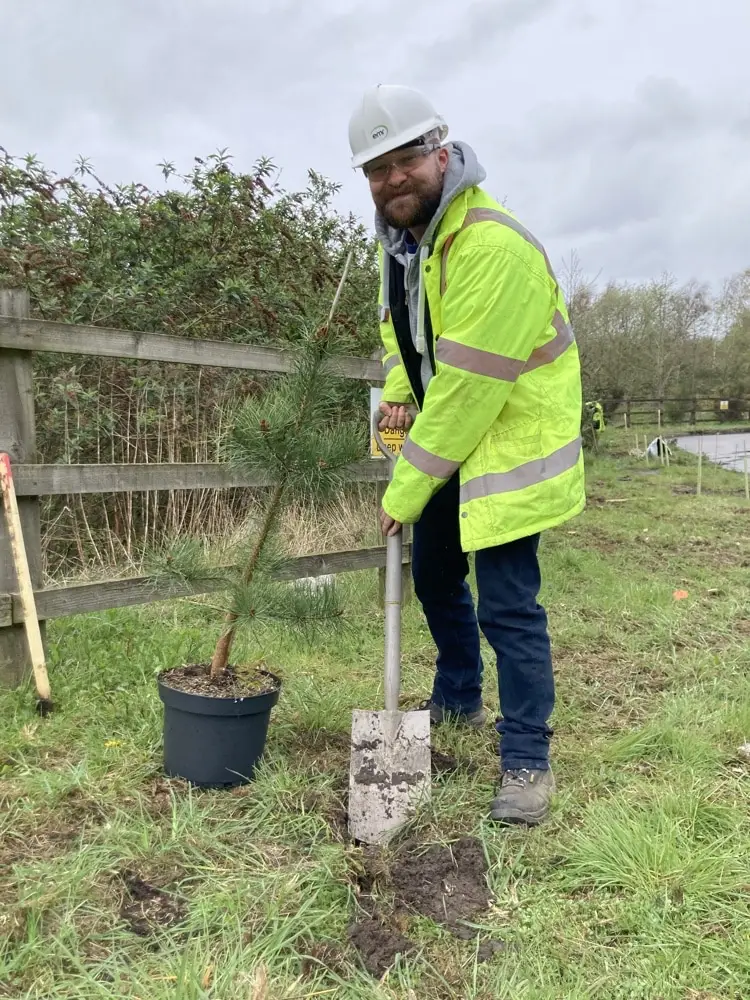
[(504, 405)]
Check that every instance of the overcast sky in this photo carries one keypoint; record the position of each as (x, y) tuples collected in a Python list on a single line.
[(620, 128)]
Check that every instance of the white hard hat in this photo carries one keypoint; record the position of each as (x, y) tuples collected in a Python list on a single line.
[(388, 117)]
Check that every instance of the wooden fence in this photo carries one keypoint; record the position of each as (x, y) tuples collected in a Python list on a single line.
[(692, 410), (20, 336)]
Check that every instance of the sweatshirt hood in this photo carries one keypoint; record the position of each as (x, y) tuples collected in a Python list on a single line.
[(463, 172)]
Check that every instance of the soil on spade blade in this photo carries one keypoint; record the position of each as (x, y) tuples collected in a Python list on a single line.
[(235, 682)]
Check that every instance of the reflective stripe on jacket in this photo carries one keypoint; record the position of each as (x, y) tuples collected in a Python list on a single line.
[(504, 406)]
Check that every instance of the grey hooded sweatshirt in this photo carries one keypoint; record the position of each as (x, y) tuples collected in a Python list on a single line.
[(463, 171)]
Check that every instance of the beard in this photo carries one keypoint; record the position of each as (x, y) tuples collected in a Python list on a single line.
[(412, 204), (405, 210)]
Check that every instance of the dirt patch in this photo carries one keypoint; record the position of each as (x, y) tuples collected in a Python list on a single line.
[(331, 808), (328, 749), (326, 955), (594, 500), (315, 740), (37, 846), (446, 763), (443, 763), (685, 490), (148, 909), (372, 868), (447, 884), (161, 791), (610, 672), (594, 537), (378, 945), (488, 949), (235, 682), (79, 809)]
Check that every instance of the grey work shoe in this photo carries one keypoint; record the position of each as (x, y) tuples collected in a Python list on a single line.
[(523, 796), (439, 715)]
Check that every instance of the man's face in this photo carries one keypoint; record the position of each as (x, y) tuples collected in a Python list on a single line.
[(407, 185)]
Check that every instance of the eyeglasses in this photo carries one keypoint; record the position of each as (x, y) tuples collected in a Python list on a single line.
[(406, 160)]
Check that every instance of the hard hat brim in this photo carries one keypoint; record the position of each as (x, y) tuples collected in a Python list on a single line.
[(390, 143)]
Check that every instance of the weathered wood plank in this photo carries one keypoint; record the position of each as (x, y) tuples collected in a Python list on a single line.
[(70, 338), (58, 480), (18, 439), (59, 602), (349, 561)]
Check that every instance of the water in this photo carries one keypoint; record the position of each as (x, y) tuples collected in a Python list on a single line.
[(727, 450)]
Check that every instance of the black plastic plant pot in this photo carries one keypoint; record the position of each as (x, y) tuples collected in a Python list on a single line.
[(215, 742)]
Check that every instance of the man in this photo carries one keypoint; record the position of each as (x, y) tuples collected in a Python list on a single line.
[(478, 344)]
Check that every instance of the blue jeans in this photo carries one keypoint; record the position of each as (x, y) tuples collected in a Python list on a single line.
[(513, 622)]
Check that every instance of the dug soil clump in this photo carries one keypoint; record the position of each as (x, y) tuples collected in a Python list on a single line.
[(378, 945), (446, 763), (148, 909), (447, 884)]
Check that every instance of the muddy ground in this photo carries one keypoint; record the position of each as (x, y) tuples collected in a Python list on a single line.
[(448, 884)]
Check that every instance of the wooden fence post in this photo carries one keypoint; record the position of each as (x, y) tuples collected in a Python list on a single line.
[(18, 439)]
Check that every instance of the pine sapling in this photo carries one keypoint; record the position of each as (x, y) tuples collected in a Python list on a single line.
[(292, 437)]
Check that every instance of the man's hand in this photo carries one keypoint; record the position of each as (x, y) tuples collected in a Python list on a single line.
[(396, 416), (388, 526)]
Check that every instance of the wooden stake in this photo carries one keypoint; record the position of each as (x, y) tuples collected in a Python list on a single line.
[(747, 479), (700, 466), (658, 418), (626, 420), (26, 590), (18, 439), (339, 289)]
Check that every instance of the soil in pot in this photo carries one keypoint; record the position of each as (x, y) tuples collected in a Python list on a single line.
[(215, 731), (235, 682)]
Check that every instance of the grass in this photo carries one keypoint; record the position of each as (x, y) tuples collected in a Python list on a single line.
[(638, 887)]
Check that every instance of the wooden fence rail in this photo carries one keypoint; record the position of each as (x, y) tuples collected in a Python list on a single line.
[(19, 337), (59, 480), (94, 341), (697, 409), (59, 602)]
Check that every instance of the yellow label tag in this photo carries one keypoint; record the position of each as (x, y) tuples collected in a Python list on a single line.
[(393, 440), (724, 404)]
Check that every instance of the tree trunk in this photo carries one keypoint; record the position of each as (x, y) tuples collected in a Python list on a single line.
[(220, 659)]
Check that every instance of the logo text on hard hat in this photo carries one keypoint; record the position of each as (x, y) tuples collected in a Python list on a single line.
[(379, 133)]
